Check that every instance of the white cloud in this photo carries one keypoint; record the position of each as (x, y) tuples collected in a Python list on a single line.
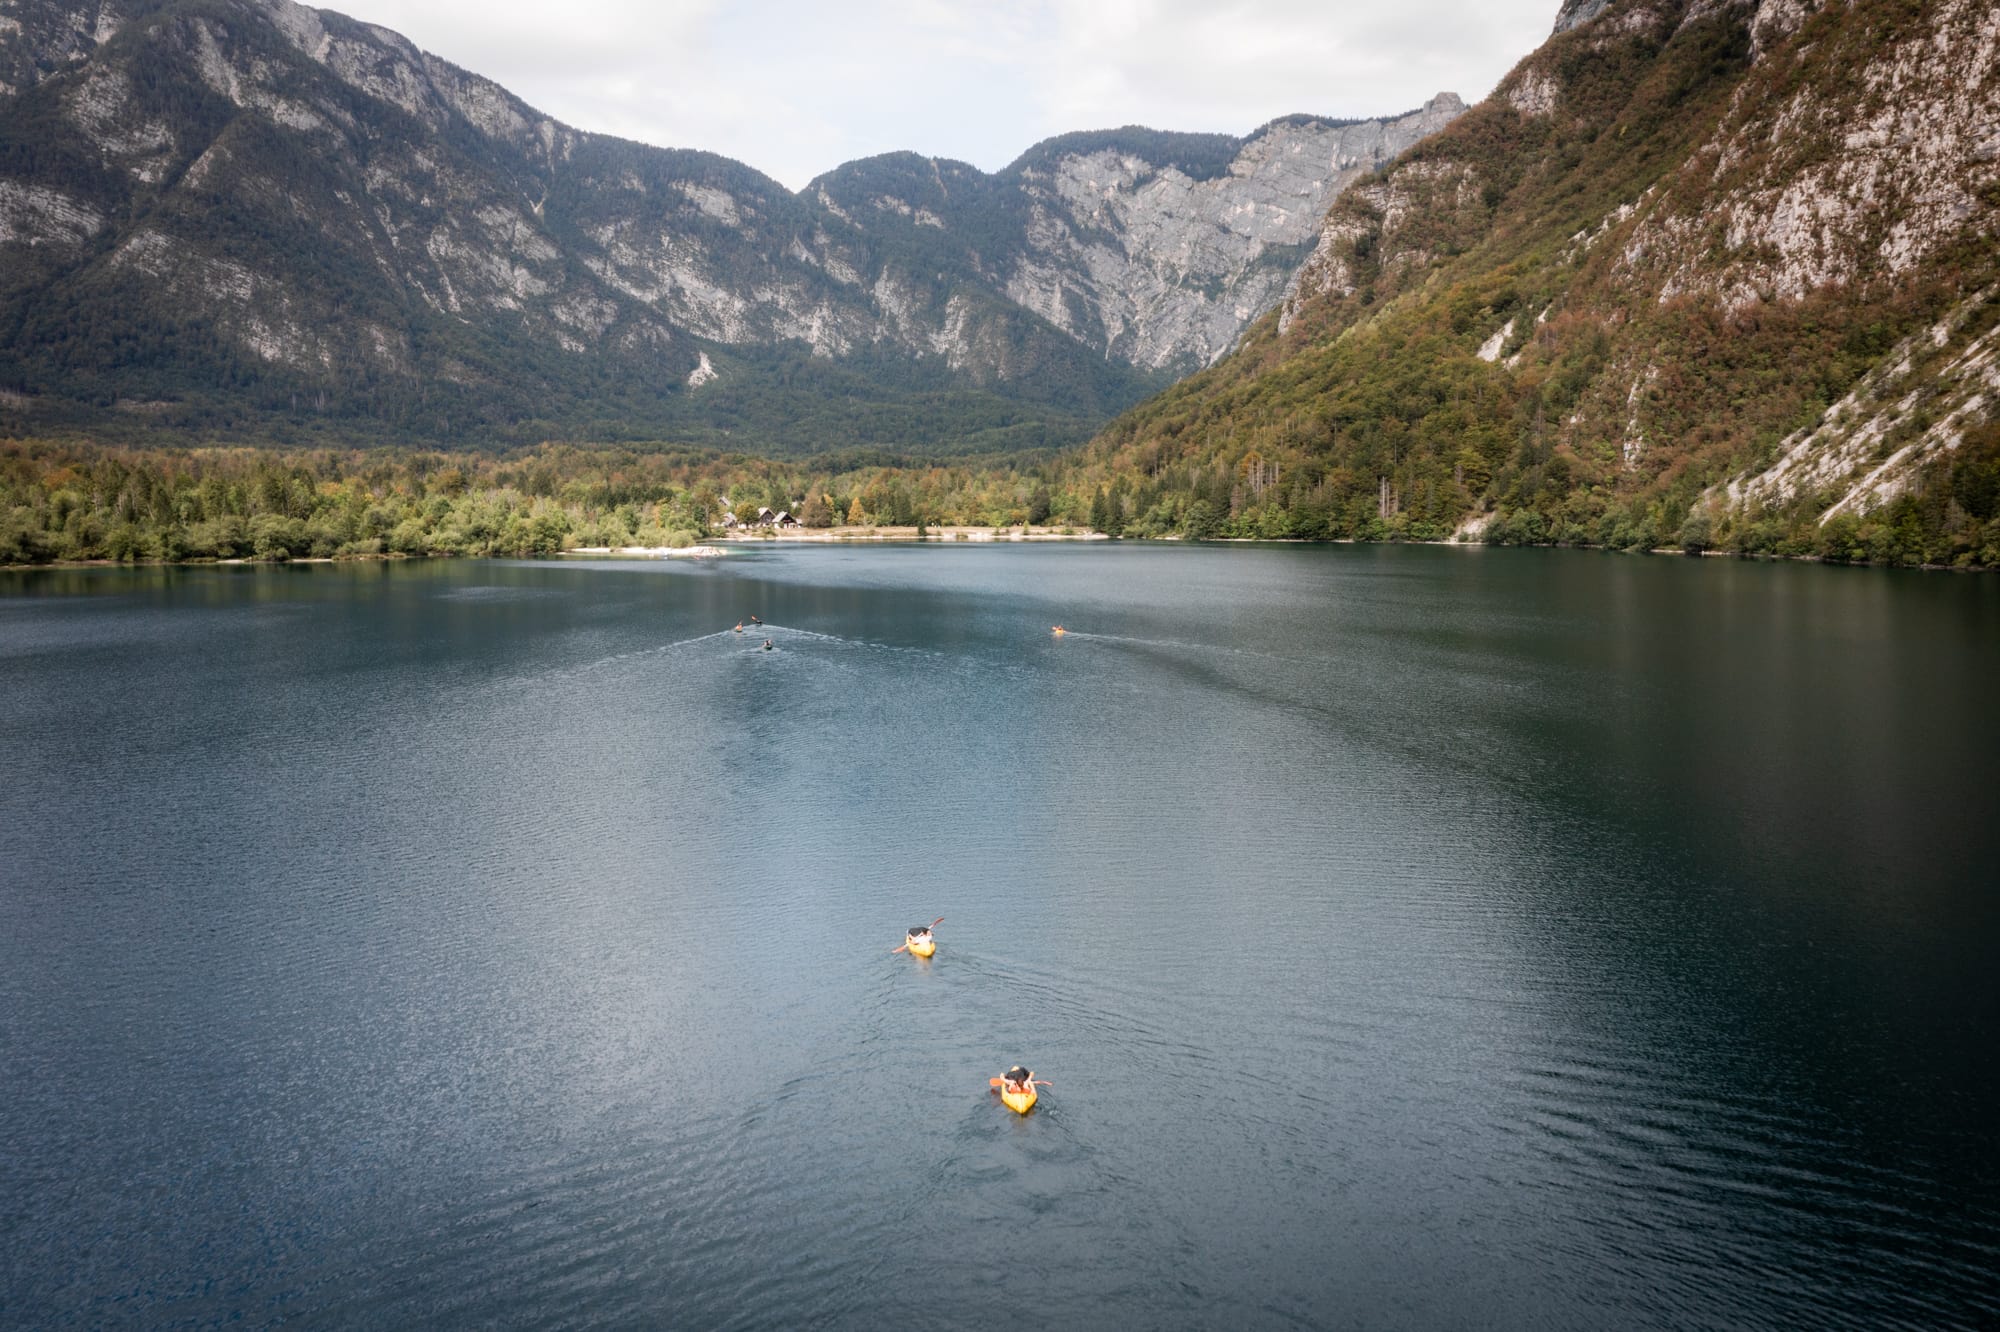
[(795, 88)]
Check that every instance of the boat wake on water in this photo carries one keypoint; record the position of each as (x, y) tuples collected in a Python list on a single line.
[(637, 654), (781, 633), (1170, 645), (754, 639)]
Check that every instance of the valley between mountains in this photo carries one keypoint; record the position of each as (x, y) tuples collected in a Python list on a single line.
[(1698, 274)]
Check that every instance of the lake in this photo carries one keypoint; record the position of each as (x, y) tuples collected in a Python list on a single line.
[(1414, 937)]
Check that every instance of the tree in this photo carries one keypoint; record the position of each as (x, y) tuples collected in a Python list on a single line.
[(1697, 534), (1202, 522), (1039, 505), (546, 532)]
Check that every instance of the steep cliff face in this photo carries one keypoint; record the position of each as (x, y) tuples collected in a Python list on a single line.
[(1892, 180), (1575, 13), (1163, 268), (216, 210), (1855, 163), (1695, 263), (236, 207), (1151, 249)]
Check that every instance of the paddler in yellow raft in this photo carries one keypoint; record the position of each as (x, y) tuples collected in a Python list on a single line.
[(920, 941), (1017, 1088)]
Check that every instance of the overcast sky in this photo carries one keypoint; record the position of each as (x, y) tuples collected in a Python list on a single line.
[(796, 87)]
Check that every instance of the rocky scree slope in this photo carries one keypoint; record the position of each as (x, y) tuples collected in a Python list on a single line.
[(248, 216), (1698, 272)]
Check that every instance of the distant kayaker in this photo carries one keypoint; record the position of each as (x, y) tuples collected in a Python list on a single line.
[(755, 620), (739, 626), (767, 645), (919, 940)]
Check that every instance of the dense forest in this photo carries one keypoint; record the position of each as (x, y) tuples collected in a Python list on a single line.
[(1406, 446), (87, 502), (80, 501)]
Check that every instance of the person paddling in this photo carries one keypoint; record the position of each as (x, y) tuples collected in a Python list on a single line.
[(919, 940), (1017, 1088)]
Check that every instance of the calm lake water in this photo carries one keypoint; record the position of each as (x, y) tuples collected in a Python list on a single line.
[(1415, 938)]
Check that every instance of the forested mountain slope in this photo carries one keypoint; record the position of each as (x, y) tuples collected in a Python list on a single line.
[(1698, 272), (254, 218)]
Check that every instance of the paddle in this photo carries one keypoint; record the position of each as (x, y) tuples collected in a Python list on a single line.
[(1037, 1082)]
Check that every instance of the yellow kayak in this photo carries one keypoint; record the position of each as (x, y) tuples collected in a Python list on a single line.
[(1020, 1102), (918, 941)]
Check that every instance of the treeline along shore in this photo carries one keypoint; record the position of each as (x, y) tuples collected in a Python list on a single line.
[(65, 501), (68, 502)]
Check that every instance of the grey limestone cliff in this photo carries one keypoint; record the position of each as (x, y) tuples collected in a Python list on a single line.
[(1576, 13), (1164, 269)]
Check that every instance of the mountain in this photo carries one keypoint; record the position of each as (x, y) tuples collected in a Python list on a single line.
[(249, 217), (1153, 249), (1698, 272)]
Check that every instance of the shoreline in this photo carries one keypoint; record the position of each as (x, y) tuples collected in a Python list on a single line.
[(954, 533), (716, 548), (695, 552)]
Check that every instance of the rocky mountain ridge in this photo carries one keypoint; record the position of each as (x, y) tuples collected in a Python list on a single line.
[(1164, 269), (220, 213), (1698, 270)]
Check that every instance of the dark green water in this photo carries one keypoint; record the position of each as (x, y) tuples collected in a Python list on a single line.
[(1414, 937)]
